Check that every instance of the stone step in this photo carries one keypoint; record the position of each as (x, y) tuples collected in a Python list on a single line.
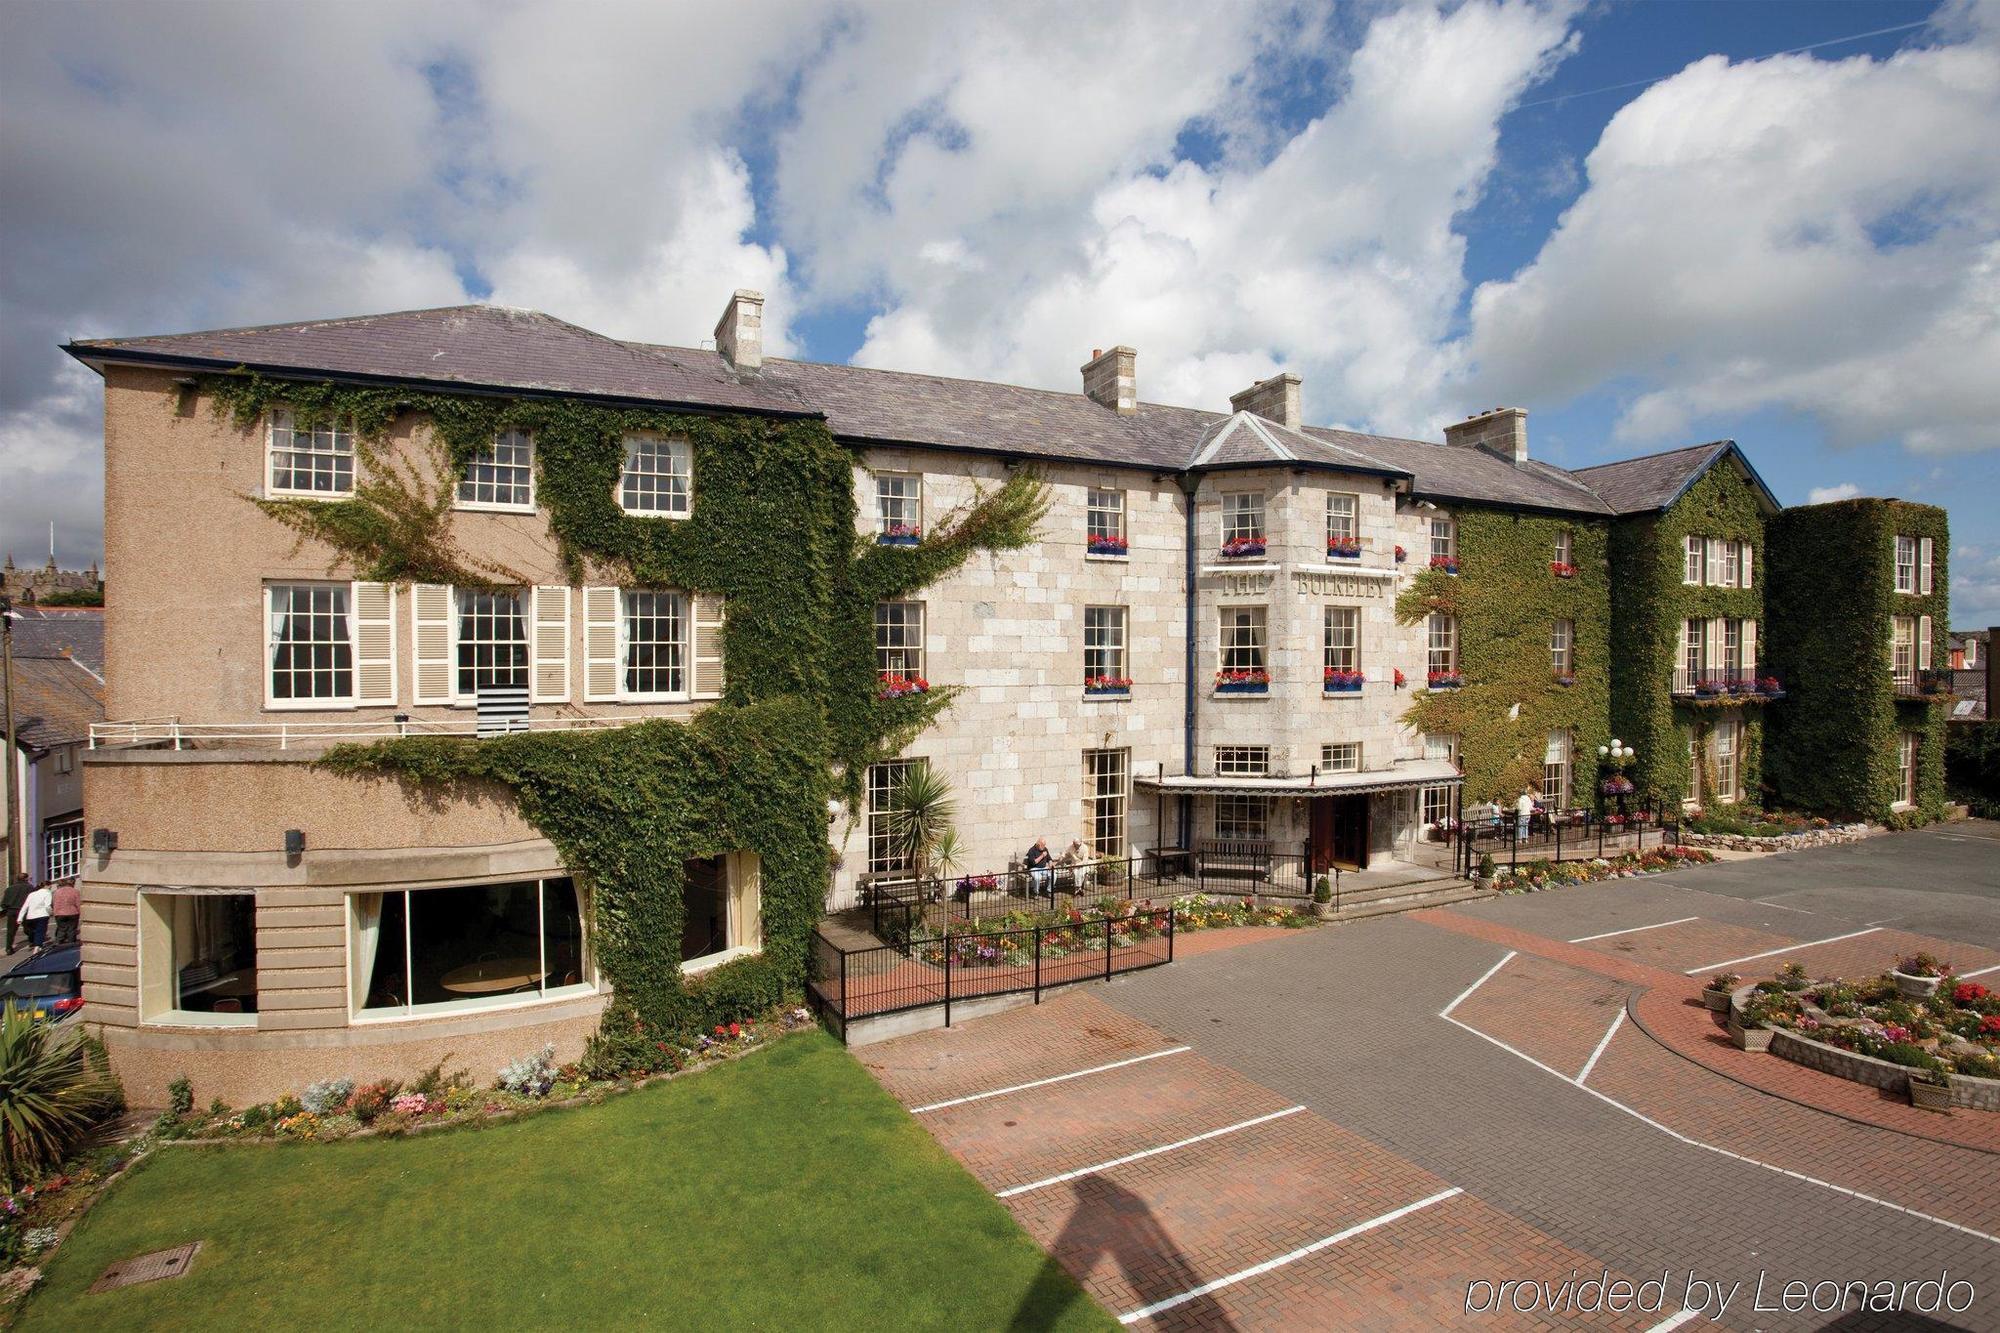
[(1437, 895)]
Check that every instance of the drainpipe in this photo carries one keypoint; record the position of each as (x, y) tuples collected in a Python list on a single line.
[(1189, 483)]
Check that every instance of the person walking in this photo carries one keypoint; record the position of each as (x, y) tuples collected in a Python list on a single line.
[(10, 903), (66, 910), (34, 916), (1524, 814)]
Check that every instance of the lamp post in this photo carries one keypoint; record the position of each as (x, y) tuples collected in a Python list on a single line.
[(1612, 760)]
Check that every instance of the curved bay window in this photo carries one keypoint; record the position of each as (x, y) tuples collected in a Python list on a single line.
[(198, 958), (466, 947)]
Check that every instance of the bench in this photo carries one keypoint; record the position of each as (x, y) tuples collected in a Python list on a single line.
[(1234, 858)]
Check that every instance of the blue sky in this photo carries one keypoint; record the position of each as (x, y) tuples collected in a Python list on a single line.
[(1640, 221)]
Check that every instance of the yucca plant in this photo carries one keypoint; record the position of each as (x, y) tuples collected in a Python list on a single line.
[(55, 1084), (923, 818)]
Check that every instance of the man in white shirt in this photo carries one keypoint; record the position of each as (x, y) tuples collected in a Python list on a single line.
[(35, 915), (1524, 811)]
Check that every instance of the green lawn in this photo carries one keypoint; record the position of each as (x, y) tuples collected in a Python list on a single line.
[(784, 1191)]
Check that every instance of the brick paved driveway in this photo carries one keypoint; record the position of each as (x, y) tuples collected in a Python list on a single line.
[(1295, 1138)]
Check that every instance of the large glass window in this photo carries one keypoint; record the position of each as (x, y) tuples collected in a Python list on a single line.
[(198, 958), (1242, 638), (1340, 757), (319, 461), (466, 946), (885, 791), (705, 908), (1343, 522), (62, 850), (658, 478), (1694, 649), (1726, 738), (501, 475), (1437, 800), (492, 641), (1556, 770), (1104, 646), (1691, 561), (1243, 519), (1563, 548), (899, 640), (1104, 522), (899, 505), (1903, 649), (310, 651), (1105, 787), (1343, 639), (654, 630), (1240, 816)]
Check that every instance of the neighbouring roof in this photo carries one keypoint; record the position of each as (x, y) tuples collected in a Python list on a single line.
[(1969, 696), (523, 350), (55, 632), (55, 701), (1654, 481), (1960, 636)]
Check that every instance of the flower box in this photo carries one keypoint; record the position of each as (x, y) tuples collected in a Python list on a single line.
[(1109, 546), (1238, 547), (1915, 987), (1716, 1001), (1447, 563), (1565, 681), (1445, 680), (1100, 686), (1748, 1038), (1343, 548), (1562, 569), (1617, 785), (899, 534), (1242, 682), (1343, 682), (1927, 1095), (898, 687)]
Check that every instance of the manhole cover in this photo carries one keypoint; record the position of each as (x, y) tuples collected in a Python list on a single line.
[(148, 1267)]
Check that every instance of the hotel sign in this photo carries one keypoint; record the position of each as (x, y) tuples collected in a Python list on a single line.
[(1338, 583)]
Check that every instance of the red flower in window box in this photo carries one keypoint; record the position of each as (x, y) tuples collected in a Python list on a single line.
[(1239, 546), (1243, 682), (1347, 548), (1107, 684), (901, 534), (897, 686), (1445, 680), (1448, 563), (1401, 680), (1562, 569), (1565, 678), (1342, 682), (1100, 545), (1401, 555)]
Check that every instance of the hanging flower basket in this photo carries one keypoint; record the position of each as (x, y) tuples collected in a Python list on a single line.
[(1448, 563), (1242, 682), (1401, 555), (1770, 688), (1401, 679), (1343, 682), (1343, 548), (1445, 680), (1562, 569), (1617, 785), (1109, 546), (1237, 547), (900, 534), (1102, 685), (897, 687)]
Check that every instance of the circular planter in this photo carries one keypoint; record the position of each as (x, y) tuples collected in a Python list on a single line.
[(1915, 988), (1930, 1096), (1323, 910)]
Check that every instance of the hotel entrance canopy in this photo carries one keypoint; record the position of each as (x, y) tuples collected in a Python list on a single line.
[(1416, 773)]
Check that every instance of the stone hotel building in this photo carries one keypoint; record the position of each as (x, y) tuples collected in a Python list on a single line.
[(1232, 626)]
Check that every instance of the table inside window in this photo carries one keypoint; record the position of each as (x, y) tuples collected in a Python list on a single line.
[(492, 976)]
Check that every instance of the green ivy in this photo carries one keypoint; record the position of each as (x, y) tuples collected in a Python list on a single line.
[(1507, 599), (1648, 603), (1832, 744), (1972, 766), (772, 530)]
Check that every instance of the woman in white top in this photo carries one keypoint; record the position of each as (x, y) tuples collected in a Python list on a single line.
[(35, 915)]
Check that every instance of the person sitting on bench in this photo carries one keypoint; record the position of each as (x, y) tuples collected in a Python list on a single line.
[(1040, 874)]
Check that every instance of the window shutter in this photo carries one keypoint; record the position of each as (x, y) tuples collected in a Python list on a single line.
[(374, 643), (551, 674), (1923, 643), (1750, 646), (708, 616), (600, 644), (1924, 550), (430, 620), (1711, 647), (1747, 548)]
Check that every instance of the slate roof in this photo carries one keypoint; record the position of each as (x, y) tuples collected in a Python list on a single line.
[(493, 347), (53, 632), (55, 701), (1654, 481)]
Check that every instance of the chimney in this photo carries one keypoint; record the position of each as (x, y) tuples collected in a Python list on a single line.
[(1275, 399), (739, 334), (1111, 379), (1502, 431)]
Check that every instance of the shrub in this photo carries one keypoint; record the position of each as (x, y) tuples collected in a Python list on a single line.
[(433, 1082), (327, 1096), (180, 1097), (372, 1100), (531, 1075), (737, 991), (1323, 890), (1724, 981), (55, 1083)]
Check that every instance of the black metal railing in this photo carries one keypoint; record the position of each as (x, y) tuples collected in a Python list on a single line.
[(896, 903), (952, 967), (1571, 835), (1922, 684), (1726, 682)]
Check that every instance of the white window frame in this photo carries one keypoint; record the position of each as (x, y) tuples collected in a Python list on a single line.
[(62, 849), (488, 456), (884, 778), (1907, 744), (1732, 564), (1725, 740), (1694, 650), (526, 598), (1243, 517), (1436, 802), (1903, 649), (1242, 761), (899, 499), (1104, 517), (677, 455), (903, 626), (1104, 642), (1562, 647), (1242, 816), (1441, 637), (154, 933), (1558, 759), (683, 608), (339, 444), (1107, 793), (1342, 641), (1444, 537), (1906, 565), (1343, 516), (1250, 638), (1691, 561), (592, 982), (1563, 547), (350, 593), (1340, 757)]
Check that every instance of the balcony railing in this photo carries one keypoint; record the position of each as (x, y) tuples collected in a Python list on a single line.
[(1730, 683), (1922, 684), (171, 733)]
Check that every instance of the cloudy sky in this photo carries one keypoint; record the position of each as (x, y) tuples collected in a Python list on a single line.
[(1649, 224)]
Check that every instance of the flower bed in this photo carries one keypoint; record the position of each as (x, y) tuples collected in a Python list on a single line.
[(1008, 941), (1533, 876), (1747, 829), (337, 1109), (1872, 1033)]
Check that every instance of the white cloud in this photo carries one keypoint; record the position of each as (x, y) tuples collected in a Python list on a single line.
[(1975, 588), (1820, 495), (1793, 232)]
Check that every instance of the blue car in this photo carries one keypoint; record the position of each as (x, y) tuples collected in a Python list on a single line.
[(49, 983)]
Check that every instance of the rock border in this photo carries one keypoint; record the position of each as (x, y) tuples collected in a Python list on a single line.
[(1834, 836), (1977, 1094)]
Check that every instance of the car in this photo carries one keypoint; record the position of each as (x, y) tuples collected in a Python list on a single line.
[(49, 983)]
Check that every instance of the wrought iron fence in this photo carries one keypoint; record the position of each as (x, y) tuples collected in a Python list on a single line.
[(897, 903), (951, 967), (1577, 835)]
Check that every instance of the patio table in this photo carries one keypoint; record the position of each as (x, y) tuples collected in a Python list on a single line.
[(492, 976)]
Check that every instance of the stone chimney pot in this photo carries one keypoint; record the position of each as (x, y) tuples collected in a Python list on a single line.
[(1275, 399), (739, 334), (1503, 432), (1111, 379)]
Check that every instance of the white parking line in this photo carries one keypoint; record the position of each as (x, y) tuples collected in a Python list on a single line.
[(1044, 1082), (1673, 1321), (1591, 1063), (1980, 973), (1477, 984), (1148, 1152), (1671, 1133), (1766, 902), (1634, 930), (1789, 948), (1148, 1311)]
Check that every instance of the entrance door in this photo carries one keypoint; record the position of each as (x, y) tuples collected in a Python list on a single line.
[(1340, 832)]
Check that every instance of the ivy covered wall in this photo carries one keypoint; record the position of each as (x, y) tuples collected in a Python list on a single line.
[(1832, 745), (1649, 602), (772, 529), (1507, 599)]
